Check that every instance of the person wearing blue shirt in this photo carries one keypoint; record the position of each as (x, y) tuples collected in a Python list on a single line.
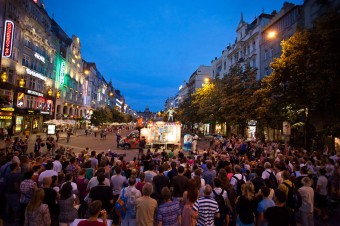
[(263, 205)]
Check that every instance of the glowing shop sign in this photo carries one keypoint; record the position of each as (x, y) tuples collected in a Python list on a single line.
[(8, 39), (5, 117), (62, 72), (35, 93), (7, 109), (35, 74), (39, 57)]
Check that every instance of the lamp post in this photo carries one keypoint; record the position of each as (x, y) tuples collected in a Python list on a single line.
[(4, 76)]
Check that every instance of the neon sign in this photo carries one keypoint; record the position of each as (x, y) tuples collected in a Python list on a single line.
[(35, 93), (8, 39), (39, 57), (62, 72), (35, 74)]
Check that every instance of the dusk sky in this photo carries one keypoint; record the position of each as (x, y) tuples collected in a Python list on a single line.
[(148, 48)]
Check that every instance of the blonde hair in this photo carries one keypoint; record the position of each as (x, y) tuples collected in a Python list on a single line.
[(36, 201), (248, 190)]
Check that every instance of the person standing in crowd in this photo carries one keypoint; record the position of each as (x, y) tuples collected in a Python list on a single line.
[(307, 208), (209, 175), (95, 209), (141, 147), (51, 199), (246, 205), (57, 164), (67, 203), (263, 205), (179, 184), (146, 207), (194, 143), (37, 213), (173, 172), (49, 172), (169, 213), (117, 182), (118, 137), (280, 215), (131, 194), (159, 182), (321, 193), (27, 188), (206, 208), (103, 193), (12, 189)]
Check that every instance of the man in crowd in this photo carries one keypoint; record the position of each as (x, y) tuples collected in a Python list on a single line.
[(146, 207), (206, 208)]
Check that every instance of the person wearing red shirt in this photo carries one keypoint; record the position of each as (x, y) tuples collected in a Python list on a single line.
[(95, 208)]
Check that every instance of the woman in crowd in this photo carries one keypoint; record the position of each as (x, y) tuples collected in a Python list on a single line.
[(37, 213), (68, 205), (246, 206)]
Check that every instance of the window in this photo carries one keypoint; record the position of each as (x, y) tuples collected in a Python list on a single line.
[(34, 65), (40, 85), (31, 83), (271, 52), (225, 65), (266, 55), (254, 62), (266, 71), (15, 54), (25, 60)]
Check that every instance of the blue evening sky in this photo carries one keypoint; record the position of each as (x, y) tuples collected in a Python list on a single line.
[(147, 48)]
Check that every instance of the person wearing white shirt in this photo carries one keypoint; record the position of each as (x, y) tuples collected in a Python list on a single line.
[(57, 164), (267, 171), (307, 207), (49, 172), (321, 189), (238, 175), (69, 178)]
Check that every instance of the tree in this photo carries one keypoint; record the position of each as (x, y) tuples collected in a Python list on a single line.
[(305, 78)]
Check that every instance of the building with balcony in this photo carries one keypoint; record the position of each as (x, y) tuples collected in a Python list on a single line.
[(27, 68), (245, 52), (282, 26)]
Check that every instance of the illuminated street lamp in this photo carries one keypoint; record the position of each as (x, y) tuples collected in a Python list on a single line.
[(111, 94), (49, 92), (21, 82), (272, 34), (4, 77), (58, 94), (206, 80)]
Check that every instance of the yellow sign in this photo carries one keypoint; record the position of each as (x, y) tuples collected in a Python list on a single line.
[(7, 109), (5, 117)]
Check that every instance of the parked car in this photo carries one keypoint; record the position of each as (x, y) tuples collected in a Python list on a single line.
[(130, 141)]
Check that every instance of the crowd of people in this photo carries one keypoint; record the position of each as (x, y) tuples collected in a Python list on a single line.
[(234, 182)]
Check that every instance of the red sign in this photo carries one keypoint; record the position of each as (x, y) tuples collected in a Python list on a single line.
[(8, 38)]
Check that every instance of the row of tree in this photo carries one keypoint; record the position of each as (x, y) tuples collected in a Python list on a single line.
[(109, 115), (304, 85)]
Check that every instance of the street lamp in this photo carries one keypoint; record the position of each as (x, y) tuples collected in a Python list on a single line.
[(58, 94), (4, 77), (206, 80), (22, 82), (49, 92), (271, 34)]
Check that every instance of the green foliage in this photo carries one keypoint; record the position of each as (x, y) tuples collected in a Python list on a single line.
[(107, 115)]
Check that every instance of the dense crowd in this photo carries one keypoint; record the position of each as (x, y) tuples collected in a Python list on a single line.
[(234, 182)]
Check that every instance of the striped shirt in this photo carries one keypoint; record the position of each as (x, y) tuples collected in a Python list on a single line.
[(168, 213), (207, 208)]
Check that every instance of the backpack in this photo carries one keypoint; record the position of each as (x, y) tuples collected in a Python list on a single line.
[(239, 185), (272, 180), (294, 199), (120, 205), (221, 202)]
